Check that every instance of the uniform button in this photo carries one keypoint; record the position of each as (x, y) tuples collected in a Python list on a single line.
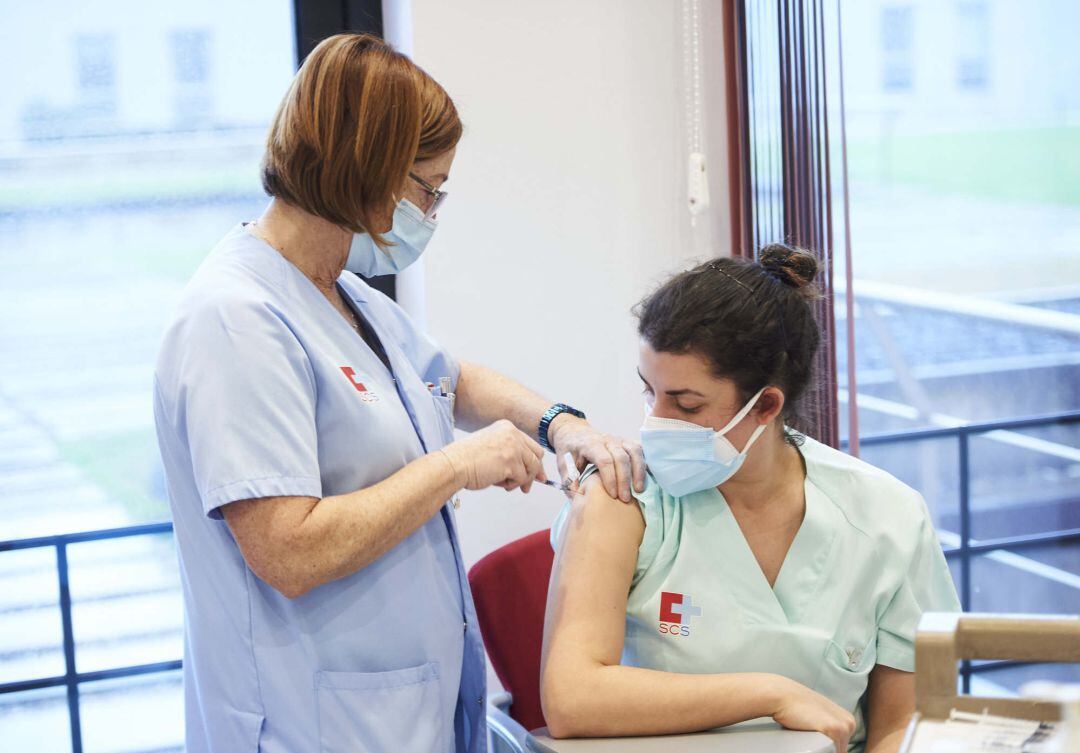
[(465, 627), (480, 700)]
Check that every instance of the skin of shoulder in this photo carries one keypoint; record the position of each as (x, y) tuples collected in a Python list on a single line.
[(594, 508)]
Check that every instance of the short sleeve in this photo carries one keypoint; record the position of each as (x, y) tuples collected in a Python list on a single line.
[(245, 401), (927, 586), (651, 503)]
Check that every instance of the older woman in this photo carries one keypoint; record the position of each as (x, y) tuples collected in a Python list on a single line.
[(306, 427)]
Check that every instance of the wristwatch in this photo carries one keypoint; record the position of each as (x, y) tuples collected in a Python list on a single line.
[(549, 416)]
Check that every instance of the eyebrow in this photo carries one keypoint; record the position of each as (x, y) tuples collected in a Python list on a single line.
[(671, 393)]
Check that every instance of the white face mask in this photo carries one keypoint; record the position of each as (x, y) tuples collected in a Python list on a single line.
[(410, 234), (686, 458)]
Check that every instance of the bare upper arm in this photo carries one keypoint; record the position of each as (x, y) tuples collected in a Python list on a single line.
[(265, 530), (890, 702), (590, 582)]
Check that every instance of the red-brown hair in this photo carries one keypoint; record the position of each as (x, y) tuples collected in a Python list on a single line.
[(357, 116)]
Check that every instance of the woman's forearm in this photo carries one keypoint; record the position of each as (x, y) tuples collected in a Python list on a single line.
[(621, 700), (298, 543), (355, 529), (484, 395)]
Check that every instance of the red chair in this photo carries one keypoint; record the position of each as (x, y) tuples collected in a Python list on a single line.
[(510, 590)]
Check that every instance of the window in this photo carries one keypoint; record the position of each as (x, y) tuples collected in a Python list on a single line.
[(125, 154), (897, 48), (972, 44), (96, 72), (192, 76), (965, 230)]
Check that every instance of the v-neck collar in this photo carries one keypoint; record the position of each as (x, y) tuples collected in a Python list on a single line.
[(800, 573), (353, 295), (358, 305)]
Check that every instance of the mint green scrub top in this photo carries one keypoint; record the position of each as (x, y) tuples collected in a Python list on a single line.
[(863, 567)]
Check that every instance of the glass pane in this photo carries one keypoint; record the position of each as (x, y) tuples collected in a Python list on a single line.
[(35, 720), (964, 166), (932, 467), (133, 714), (1007, 682), (1025, 481), (129, 144), (31, 632), (126, 603), (1036, 579)]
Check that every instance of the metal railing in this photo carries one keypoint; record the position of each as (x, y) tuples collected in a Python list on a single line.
[(965, 550), (71, 678)]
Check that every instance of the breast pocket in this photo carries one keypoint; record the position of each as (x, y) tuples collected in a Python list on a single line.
[(444, 412), (846, 669), (382, 712)]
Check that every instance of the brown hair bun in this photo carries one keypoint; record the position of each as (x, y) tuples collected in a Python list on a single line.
[(791, 266)]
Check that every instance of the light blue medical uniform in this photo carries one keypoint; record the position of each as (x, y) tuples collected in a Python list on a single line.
[(863, 567), (263, 389)]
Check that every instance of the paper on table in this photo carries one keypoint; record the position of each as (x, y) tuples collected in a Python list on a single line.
[(981, 733)]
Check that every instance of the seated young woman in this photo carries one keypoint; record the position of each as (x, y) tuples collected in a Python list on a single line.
[(761, 573)]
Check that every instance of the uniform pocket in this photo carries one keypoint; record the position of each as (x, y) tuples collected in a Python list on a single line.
[(381, 712), (444, 410), (846, 670)]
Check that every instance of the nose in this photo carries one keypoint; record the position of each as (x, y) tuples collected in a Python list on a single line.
[(658, 411)]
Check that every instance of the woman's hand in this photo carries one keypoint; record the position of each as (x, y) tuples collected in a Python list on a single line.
[(798, 707), (620, 461), (497, 455)]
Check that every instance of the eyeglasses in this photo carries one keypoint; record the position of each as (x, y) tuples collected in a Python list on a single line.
[(437, 196)]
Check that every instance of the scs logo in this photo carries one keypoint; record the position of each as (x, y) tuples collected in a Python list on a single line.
[(676, 611), (366, 395)]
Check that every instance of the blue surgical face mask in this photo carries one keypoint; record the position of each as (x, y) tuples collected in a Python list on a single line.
[(410, 234), (686, 458)]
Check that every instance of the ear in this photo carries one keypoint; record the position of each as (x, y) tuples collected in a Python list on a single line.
[(769, 405)]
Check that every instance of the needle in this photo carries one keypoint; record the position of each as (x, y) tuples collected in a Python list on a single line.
[(562, 486), (572, 475)]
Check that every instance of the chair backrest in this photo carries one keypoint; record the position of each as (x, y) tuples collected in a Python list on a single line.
[(510, 590)]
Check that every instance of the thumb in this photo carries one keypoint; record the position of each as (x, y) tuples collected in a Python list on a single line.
[(568, 467)]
